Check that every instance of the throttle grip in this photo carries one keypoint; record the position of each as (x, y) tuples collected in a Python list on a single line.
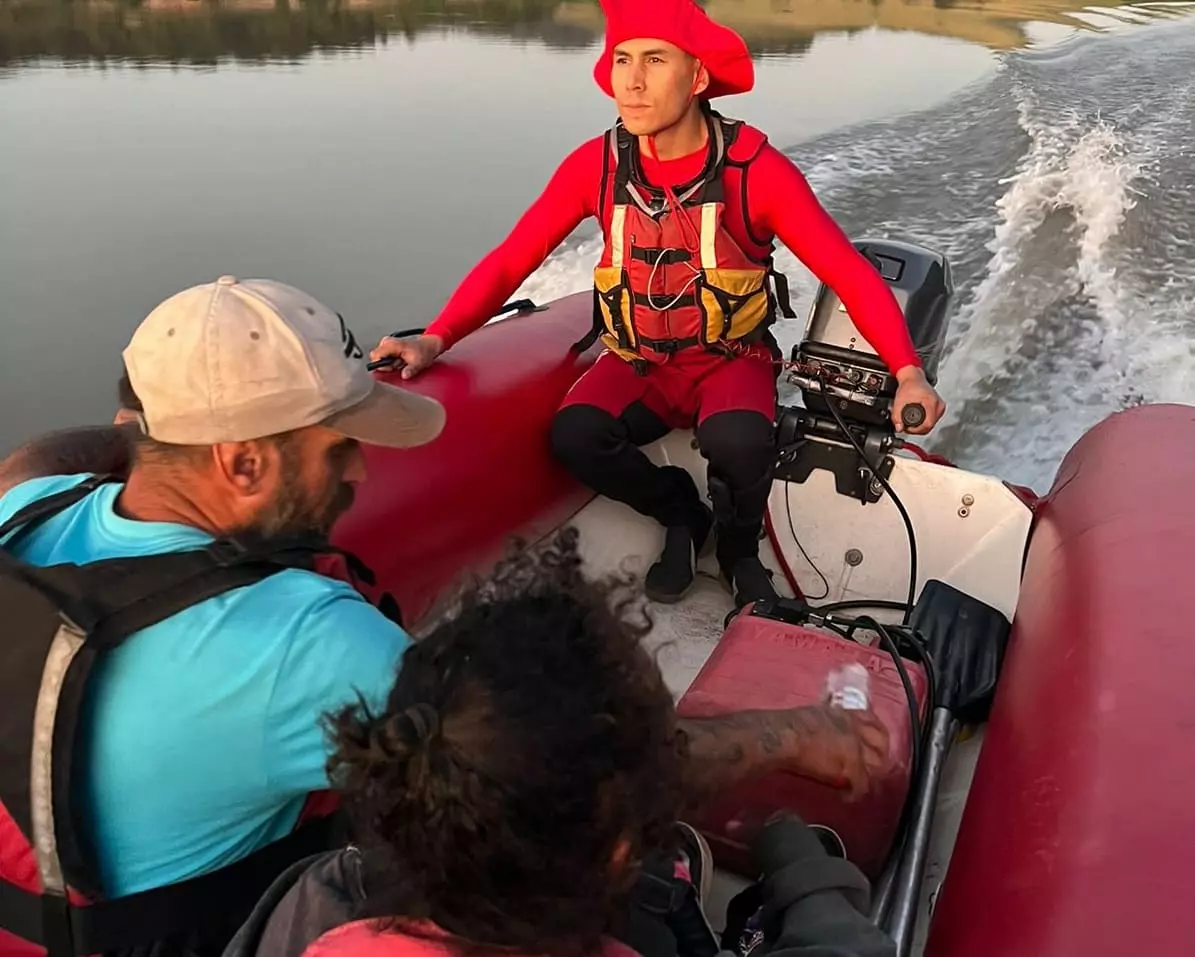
[(912, 415)]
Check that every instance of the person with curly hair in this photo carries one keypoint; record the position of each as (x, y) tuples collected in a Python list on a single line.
[(525, 772), (527, 759)]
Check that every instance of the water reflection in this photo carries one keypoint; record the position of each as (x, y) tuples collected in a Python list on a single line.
[(202, 32)]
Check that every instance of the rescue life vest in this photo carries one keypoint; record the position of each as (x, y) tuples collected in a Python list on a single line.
[(59, 621), (671, 276)]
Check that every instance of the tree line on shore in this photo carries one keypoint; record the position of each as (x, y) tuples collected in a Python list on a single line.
[(204, 32)]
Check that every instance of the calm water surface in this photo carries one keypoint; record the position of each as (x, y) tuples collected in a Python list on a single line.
[(371, 152)]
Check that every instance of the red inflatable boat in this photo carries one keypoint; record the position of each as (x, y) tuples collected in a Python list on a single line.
[(1071, 790)]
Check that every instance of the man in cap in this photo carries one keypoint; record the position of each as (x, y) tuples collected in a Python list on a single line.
[(200, 737), (690, 204)]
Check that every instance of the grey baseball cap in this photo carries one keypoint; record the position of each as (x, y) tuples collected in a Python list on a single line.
[(234, 360)]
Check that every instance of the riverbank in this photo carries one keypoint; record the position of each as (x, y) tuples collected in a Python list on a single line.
[(201, 32)]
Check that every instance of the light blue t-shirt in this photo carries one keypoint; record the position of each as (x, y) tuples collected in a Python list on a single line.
[(201, 737)]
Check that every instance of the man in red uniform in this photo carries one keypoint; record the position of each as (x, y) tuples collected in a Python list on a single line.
[(690, 204)]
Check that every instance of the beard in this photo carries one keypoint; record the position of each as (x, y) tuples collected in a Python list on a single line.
[(298, 514), (295, 514)]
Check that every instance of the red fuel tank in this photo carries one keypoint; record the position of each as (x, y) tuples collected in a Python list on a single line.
[(764, 664)]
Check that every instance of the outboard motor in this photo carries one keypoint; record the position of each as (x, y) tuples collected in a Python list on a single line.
[(834, 363)]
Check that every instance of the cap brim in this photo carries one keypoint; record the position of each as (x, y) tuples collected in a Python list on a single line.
[(391, 417)]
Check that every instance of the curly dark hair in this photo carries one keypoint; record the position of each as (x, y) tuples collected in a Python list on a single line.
[(528, 747)]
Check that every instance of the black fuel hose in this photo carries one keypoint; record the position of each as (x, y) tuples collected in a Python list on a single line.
[(895, 501)]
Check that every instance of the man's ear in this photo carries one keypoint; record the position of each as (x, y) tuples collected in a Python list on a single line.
[(244, 466), (701, 81)]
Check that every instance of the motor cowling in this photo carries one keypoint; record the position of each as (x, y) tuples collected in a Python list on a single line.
[(833, 356)]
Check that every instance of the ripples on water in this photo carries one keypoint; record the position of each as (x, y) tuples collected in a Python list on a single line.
[(1059, 189)]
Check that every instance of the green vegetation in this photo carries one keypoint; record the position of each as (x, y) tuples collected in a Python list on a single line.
[(206, 31)]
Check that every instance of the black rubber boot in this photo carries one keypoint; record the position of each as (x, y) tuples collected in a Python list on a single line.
[(739, 518), (671, 576), (741, 449), (750, 580)]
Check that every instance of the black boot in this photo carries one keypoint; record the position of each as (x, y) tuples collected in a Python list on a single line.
[(671, 576), (746, 575), (738, 533), (741, 448)]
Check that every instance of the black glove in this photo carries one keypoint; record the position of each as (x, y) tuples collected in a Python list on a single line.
[(794, 863), (812, 904)]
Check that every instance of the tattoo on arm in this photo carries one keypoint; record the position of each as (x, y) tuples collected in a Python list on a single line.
[(102, 449), (725, 750)]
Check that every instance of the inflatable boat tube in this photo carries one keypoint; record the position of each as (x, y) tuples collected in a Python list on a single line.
[(425, 517), (1078, 835)]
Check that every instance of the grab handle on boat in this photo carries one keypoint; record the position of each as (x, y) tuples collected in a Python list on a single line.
[(912, 415), (516, 305)]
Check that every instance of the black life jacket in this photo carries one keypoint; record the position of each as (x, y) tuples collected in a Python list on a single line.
[(58, 621)]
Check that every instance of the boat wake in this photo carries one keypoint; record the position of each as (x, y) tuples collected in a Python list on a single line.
[(1084, 306), (1040, 342)]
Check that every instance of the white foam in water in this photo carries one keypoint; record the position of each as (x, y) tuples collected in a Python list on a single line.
[(568, 270), (1064, 169), (1087, 171)]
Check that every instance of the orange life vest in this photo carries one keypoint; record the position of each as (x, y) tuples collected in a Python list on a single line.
[(672, 276)]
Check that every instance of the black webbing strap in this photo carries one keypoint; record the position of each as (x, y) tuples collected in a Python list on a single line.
[(33, 514), (195, 577), (596, 328), (662, 301), (669, 346)]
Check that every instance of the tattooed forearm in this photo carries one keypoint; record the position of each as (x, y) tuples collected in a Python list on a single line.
[(101, 449), (725, 750), (728, 749)]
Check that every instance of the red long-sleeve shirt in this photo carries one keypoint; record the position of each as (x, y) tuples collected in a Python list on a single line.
[(780, 203)]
